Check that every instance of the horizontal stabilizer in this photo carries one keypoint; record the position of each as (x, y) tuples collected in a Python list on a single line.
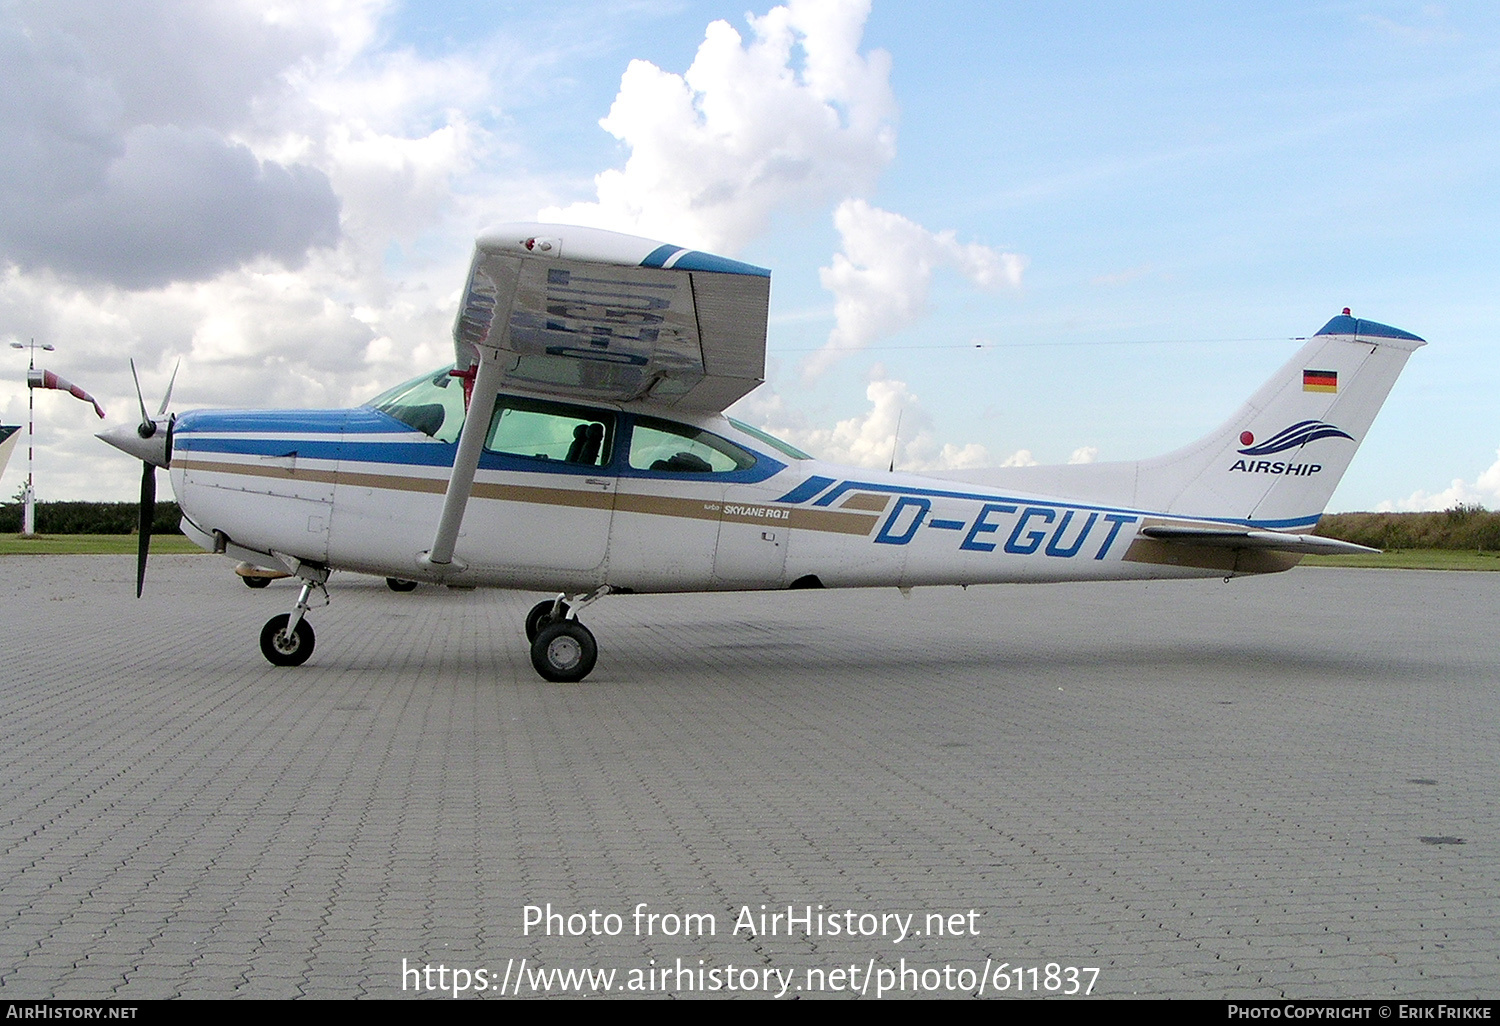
[(1245, 538)]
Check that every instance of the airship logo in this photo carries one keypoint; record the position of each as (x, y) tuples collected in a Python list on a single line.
[(1291, 437)]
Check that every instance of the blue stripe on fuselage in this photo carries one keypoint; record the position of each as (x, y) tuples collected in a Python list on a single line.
[(844, 487), (322, 422), (416, 454), (421, 451)]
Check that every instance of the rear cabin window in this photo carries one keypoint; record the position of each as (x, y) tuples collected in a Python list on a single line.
[(682, 449), (551, 431)]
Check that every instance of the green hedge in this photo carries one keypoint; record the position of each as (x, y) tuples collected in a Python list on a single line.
[(1462, 527), (89, 518)]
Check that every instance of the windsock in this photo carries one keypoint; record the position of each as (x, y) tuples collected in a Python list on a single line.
[(46, 379)]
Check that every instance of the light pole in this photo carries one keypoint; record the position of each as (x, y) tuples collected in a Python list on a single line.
[(28, 524)]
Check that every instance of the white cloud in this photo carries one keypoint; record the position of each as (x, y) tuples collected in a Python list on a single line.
[(1485, 491), (225, 133), (351, 175), (871, 438), (122, 163), (229, 189), (1084, 454), (796, 117), (881, 279), (1431, 27)]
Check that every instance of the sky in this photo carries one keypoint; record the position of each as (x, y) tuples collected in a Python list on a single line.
[(1023, 232)]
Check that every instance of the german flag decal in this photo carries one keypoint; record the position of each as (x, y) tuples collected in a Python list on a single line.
[(1320, 381)]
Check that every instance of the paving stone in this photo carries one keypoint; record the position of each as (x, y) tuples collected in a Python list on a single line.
[(1203, 789)]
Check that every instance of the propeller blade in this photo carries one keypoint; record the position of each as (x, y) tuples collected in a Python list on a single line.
[(170, 382), (148, 426), (148, 516)]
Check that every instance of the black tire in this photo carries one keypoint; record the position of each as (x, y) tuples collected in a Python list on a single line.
[(256, 582), (539, 617), (283, 651), (397, 584), (564, 652)]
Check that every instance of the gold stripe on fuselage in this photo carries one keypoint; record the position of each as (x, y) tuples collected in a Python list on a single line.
[(866, 501), (626, 502)]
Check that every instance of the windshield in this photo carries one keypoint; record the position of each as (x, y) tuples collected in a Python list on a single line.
[(432, 404), (771, 440)]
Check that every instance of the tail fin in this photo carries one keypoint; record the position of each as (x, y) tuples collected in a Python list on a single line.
[(1276, 462)]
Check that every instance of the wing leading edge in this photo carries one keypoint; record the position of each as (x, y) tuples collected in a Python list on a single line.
[(588, 313)]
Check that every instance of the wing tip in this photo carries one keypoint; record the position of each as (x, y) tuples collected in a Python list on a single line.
[(599, 245)]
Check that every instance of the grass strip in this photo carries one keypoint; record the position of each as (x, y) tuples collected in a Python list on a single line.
[(90, 544), (1413, 559)]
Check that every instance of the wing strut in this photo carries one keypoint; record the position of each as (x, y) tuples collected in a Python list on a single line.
[(465, 462)]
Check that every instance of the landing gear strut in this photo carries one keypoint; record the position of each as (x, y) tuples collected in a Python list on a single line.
[(562, 649), (544, 614), (288, 639)]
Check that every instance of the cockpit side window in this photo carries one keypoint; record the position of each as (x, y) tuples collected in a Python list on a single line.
[(543, 430), (432, 404), (682, 449)]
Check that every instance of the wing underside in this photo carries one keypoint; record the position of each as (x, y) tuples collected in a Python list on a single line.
[(592, 314)]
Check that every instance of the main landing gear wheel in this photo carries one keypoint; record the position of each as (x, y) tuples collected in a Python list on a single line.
[(564, 652), (283, 649), (256, 582), (540, 616), (397, 584)]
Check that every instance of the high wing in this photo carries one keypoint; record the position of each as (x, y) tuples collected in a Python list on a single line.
[(587, 313), (584, 313)]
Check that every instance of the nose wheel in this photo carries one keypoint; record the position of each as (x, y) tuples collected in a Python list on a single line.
[(283, 647), (288, 639)]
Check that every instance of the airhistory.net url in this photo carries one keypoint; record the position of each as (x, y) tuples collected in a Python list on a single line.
[(521, 978)]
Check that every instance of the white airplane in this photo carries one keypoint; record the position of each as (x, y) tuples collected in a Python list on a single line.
[(578, 446)]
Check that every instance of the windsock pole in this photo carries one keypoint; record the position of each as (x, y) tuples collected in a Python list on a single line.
[(28, 519), (36, 379)]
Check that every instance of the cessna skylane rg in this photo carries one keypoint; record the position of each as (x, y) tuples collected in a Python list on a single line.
[(578, 445)]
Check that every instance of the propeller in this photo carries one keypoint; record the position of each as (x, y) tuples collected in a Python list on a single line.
[(142, 442), (148, 517)]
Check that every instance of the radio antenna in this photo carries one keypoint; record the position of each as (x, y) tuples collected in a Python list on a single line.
[(896, 438)]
